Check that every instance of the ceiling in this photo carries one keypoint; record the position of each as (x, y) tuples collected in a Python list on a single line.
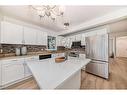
[(74, 14)]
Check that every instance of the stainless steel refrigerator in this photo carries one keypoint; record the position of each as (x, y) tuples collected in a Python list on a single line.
[(97, 50)]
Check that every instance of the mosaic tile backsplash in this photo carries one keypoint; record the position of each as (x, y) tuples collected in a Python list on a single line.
[(10, 48)]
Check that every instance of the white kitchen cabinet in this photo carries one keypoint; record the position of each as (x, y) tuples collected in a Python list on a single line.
[(11, 33), (63, 42), (78, 37), (66, 42), (41, 38), (83, 42), (59, 40), (73, 38), (12, 70), (69, 43), (30, 36), (44, 38), (16, 34)]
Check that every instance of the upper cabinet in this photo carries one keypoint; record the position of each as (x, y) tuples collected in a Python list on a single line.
[(44, 38), (18, 34), (83, 42), (11, 33), (78, 37), (59, 41), (41, 38), (30, 36)]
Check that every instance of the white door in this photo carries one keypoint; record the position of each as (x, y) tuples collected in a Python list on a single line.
[(12, 70), (121, 46), (30, 36), (11, 33)]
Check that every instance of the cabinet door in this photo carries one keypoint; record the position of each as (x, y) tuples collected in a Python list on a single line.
[(63, 42), (44, 39), (11, 33), (78, 37), (39, 38), (12, 71), (59, 41), (83, 42), (30, 36)]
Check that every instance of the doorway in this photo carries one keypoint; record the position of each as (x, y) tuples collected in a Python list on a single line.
[(121, 46)]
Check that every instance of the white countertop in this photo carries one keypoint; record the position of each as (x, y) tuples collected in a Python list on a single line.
[(49, 74)]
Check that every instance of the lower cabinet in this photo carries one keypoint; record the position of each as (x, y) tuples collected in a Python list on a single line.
[(12, 70)]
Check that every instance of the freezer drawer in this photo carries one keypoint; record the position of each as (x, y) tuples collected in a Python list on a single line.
[(98, 68)]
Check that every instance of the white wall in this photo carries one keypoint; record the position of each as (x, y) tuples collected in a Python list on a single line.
[(118, 34), (113, 36), (121, 46)]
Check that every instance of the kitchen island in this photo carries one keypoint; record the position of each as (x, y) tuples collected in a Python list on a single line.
[(51, 75)]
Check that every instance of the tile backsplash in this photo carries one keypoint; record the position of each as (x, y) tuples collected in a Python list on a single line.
[(10, 48)]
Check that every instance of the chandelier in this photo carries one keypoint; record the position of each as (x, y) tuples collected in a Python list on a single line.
[(51, 11)]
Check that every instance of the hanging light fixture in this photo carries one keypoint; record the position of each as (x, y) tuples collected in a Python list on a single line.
[(66, 25), (51, 11)]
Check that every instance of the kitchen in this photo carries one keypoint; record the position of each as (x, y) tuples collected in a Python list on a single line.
[(54, 60)]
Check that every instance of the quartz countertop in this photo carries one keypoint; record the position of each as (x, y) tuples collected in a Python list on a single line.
[(49, 74)]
